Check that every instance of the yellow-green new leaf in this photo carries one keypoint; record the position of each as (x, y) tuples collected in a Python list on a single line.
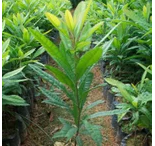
[(88, 60), (26, 35), (80, 46), (69, 20), (60, 76), (113, 81), (121, 88), (145, 12), (53, 19), (20, 53), (5, 45), (135, 102), (94, 28), (80, 15)]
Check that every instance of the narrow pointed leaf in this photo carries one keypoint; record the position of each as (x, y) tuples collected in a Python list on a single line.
[(122, 89), (88, 60), (95, 132), (79, 141), (69, 20), (5, 45), (51, 80), (28, 53), (12, 73), (53, 99), (107, 35), (94, 104), (54, 52), (106, 113), (94, 28), (38, 52), (50, 47), (80, 15), (60, 76), (71, 133), (13, 100), (67, 131), (84, 87), (53, 19)]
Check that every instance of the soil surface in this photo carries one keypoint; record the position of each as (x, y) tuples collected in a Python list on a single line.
[(45, 120)]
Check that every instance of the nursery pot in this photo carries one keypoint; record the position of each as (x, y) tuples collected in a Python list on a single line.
[(137, 137), (23, 111), (22, 128), (12, 140)]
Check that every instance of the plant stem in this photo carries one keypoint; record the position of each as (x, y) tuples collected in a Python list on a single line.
[(79, 110)]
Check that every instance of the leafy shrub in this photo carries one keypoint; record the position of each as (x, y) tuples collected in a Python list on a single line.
[(137, 101), (132, 38)]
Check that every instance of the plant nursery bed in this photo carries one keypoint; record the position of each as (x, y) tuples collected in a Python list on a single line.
[(125, 137), (45, 121)]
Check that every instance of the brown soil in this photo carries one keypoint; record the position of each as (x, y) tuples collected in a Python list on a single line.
[(45, 120)]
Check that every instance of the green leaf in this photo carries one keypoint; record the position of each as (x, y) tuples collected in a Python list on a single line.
[(12, 73), (94, 28), (146, 68), (46, 76), (146, 112), (106, 46), (13, 100), (135, 102), (85, 83), (28, 53), (79, 141), (53, 19), (80, 15), (95, 132), (5, 45), (100, 85), (38, 52), (106, 113), (136, 17), (53, 99), (122, 89), (94, 104), (26, 35), (88, 60), (113, 81), (145, 97), (71, 133), (144, 122), (54, 52), (5, 57), (3, 25), (80, 46), (107, 34), (135, 117), (50, 47), (51, 80), (15, 81), (61, 76), (67, 131), (84, 86)]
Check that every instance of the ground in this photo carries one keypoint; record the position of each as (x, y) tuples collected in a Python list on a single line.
[(45, 120)]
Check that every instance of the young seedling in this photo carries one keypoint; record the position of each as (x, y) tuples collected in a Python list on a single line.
[(73, 75)]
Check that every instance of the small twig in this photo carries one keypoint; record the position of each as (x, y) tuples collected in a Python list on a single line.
[(55, 130)]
